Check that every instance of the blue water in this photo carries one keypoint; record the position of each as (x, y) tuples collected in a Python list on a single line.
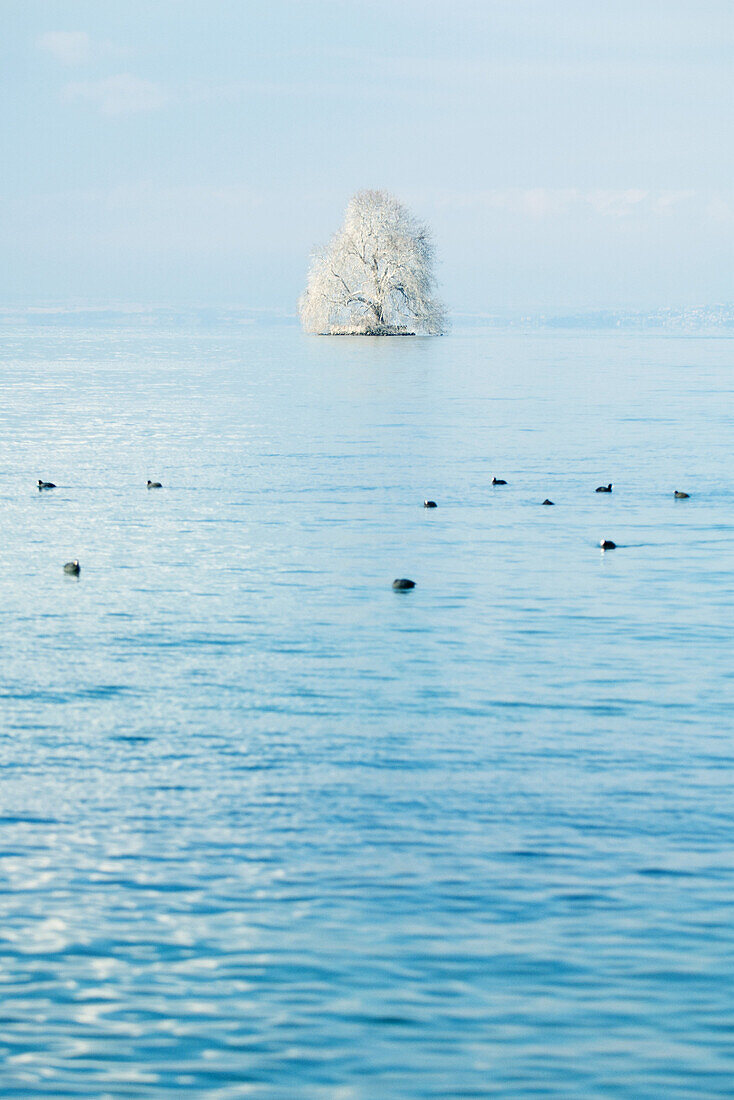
[(270, 829)]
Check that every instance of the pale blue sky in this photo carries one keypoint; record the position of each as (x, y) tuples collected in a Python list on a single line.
[(567, 154)]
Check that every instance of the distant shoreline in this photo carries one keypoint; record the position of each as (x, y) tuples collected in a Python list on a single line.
[(715, 320)]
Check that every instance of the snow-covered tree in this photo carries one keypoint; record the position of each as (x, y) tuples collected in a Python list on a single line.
[(375, 277)]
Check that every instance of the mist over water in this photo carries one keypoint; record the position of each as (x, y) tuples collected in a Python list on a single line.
[(270, 829)]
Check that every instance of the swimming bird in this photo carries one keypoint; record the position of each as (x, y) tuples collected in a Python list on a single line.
[(605, 488), (607, 544), (498, 481), (402, 583), (546, 501), (154, 484), (45, 484), (73, 567), (429, 504), (681, 496)]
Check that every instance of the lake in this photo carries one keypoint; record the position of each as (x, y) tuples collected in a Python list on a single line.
[(269, 828)]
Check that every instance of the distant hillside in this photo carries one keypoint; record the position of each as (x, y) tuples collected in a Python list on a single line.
[(132, 316), (694, 319)]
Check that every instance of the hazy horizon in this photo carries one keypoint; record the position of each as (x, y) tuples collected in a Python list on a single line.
[(701, 317)]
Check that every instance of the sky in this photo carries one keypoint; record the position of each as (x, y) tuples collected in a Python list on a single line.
[(566, 154)]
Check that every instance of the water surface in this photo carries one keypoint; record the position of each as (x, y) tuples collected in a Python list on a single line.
[(270, 829)]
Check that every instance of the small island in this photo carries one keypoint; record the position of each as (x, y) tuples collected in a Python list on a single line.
[(367, 329)]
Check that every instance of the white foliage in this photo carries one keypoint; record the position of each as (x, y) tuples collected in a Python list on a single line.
[(375, 275)]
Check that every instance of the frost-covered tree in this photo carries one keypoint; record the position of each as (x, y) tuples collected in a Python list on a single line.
[(375, 277)]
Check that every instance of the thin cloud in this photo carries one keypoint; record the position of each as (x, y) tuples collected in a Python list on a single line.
[(68, 47), (549, 202), (616, 204), (721, 209), (123, 94)]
